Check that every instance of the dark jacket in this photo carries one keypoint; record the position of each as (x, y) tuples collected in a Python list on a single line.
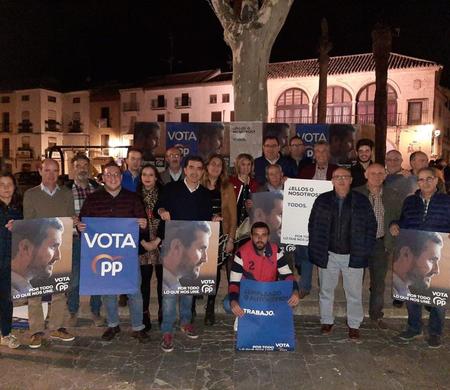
[(69, 184), (308, 171), (261, 163), (357, 171), (392, 202), (437, 218), (6, 214), (363, 229)]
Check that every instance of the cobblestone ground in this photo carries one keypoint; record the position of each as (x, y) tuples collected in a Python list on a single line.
[(211, 362)]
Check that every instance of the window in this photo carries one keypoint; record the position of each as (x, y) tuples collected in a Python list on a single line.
[(76, 100), (51, 141), (5, 148), (365, 105), (185, 117), (76, 116), (26, 142), (5, 99), (104, 141), (416, 112), (5, 122), (212, 99), (339, 105), (185, 100), (216, 116), (231, 116), (104, 117), (225, 98), (293, 106), (161, 101), (160, 118), (51, 99), (25, 98)]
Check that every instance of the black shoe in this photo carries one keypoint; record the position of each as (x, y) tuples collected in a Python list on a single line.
[(123, 299), (210, 318), (141, 336), (110, 333), (160, 317), (434, 342), (146, 321), (398, 304)]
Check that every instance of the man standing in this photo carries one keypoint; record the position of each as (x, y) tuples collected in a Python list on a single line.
[(274, 176), (81, 187), (130, 178), (184, 200), (48, 200), (386, 205), (427, 210), (342, 229), (364, 149), (271, 155), (114, 201), (297, 157), (174, 171)]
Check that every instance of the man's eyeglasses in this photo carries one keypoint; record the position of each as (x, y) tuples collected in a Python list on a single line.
[(342, 177), (271, 146), (174, 155), (428, 179)]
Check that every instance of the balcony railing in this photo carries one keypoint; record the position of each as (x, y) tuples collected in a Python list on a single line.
[(25, 127), (5, 127), (52, 125), (130, 106), (75, 127), (182, 102), (362, 119), (158, 104)]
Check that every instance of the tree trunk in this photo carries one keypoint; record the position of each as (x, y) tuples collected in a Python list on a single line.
[(250, 29), (324, 48), (381, 47)]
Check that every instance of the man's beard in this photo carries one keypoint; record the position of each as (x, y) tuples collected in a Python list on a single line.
[(419, 282)]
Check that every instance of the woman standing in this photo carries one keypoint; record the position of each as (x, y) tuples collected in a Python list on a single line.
[(10, 209), (215, 179), (149, 189)]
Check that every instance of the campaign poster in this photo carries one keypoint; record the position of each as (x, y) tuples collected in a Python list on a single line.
[(245, 137), (421, 267), (109, 256), (189, 257), (280, 130), (268, 322), (268, 207), (299, 197), (148, 137), (41, 257)]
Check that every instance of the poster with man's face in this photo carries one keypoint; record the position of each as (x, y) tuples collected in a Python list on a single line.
[(41, 257), (421, 267), (189, 257), (268, 208), (149, 138)]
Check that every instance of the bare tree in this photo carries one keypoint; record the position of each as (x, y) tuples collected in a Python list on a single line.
[(250, 29), (324, 48)]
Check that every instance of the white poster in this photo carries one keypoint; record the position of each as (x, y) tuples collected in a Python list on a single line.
[(299, 197), (245, 137)]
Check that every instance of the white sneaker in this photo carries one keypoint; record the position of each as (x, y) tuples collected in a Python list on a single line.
[(10, 341), (235, 326)]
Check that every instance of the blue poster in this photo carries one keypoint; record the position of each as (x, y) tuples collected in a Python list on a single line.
[(310, 134), (182, 135), (268, 322), (109, 256)]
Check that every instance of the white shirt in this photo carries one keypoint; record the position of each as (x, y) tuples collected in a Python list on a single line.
[(175, 176), (191, 191), (47, 191)]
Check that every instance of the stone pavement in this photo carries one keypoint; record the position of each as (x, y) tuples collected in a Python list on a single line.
[(211, 362)]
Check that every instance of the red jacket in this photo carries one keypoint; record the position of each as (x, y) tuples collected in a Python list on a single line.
[(308, 171)]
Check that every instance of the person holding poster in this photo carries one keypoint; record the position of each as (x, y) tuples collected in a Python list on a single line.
[(185, 201), (427, 210), (114, 201), (260, 260), (48, 200), (342, 229), (10, 210)]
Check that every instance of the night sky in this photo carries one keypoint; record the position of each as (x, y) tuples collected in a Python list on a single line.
[(79, 44)]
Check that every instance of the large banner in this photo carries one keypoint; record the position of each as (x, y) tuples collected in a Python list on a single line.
[(189, 257), (245, 137), (41, 257), (147, 137), (421, 267), (268, 322), (268, 207), (299, 197), (109, 256)]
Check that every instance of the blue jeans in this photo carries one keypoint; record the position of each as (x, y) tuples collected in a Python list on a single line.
[(170, 311), (226, 305), (73, 296), (435, 322), (304, 267)]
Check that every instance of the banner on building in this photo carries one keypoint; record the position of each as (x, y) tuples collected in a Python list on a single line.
[(268, 322), (189, 257), (421, 267), (147, 137), (299, 197), (245, 137), (109, 256), (41, 257)]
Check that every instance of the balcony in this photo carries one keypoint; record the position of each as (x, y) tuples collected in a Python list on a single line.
[(130, 106), (52, 125), (5, 127), (182, 102), (25, 152), (75, 127), (159, 104), (362, 119), (25, 127)]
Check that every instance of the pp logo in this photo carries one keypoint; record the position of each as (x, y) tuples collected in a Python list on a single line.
[(206, 289), (62, 286), (290, 248), (439, 301), (108, 264)]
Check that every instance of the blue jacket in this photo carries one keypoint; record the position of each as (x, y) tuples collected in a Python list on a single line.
[(6, 214), (363, 229), (438, 214)]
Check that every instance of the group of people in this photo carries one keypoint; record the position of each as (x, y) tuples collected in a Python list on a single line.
[(352, 227)]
